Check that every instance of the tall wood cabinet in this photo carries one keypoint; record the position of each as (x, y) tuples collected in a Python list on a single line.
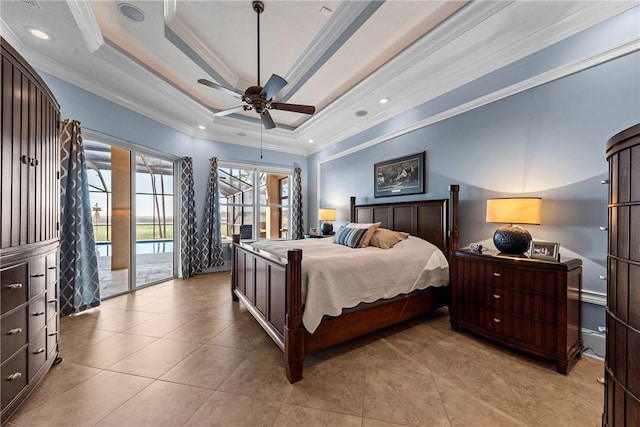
[(530, 304), (29, 206), (622, 360)]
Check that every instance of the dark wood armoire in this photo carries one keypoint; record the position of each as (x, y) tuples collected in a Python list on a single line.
[(622, 360), (29, 206)]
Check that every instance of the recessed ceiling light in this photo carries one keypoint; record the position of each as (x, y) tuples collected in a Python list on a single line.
[(36, 32), (384, 100), (201, 127), (131, 12), (361, 113), (311, 141)]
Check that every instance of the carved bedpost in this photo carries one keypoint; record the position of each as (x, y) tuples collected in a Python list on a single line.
[(454, 220), (352, 210), (236, 240), (293, 328)]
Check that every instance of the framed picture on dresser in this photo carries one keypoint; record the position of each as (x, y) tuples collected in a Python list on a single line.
[(543, 250)]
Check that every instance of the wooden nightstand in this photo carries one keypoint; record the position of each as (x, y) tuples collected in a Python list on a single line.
[(530, 304)]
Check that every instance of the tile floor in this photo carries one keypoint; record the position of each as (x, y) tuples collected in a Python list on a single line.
[(181, 353)]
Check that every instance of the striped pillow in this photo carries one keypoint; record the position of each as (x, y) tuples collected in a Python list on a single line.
[(351, 237)]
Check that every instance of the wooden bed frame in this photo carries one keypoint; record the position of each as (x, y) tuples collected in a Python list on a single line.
[(270, 286)]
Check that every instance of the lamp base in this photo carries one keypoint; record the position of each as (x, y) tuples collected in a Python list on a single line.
[(512, 239), (326, 228)]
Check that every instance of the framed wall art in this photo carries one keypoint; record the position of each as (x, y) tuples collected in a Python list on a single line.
[(400, 176)]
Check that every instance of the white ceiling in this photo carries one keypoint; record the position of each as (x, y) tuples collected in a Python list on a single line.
[(341, 56)]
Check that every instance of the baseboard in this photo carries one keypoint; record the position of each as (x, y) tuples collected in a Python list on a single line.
[(594, 343)]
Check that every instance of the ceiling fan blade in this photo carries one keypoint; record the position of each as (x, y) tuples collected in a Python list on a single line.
[(296, 108), (267, 121), (273, 86), (232, 92), (229, 111)]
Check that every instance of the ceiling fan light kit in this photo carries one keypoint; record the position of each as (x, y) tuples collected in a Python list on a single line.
[(259, 98)]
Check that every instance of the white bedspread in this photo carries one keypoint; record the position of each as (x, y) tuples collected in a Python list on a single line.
[(335, 277)]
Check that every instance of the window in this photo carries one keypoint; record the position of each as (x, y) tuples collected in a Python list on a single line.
[(254, 201)]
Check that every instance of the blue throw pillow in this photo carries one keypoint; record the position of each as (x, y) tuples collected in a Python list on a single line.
[(351, 237)]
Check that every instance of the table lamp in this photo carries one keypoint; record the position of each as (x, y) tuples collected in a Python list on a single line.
[(512, 239), (326, 215)]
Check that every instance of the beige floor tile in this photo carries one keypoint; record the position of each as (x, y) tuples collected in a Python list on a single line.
[(155, 359), (88, 318), (201, 329), (245, 334), (368, 422), (109, 351), (160, 404), (334, 383), (160, 325), (62, 377), (207, 367), (127, 320), (293, 415), (85, 404), (81, 337), (225, 409), (262, 376)]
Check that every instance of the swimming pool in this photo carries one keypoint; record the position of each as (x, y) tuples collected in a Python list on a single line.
[(142, 247)]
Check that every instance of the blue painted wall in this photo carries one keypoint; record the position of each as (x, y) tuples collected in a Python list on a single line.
[(547, 141)]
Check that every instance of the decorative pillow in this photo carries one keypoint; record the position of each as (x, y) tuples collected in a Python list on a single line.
[(385, 239), (349, 236), (371, 229)]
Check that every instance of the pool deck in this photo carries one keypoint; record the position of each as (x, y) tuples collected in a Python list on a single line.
[(151, 268)]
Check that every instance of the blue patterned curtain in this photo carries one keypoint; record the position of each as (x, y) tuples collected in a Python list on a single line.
[(211, 238), (190, 253), (79, 281), (297, 226)]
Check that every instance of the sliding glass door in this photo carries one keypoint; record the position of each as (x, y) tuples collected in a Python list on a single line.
[(132, 196)]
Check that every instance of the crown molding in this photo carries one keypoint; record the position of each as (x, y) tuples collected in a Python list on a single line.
[(344, 22), (408, 62), (10, 36), (217, 68), (87, 23)]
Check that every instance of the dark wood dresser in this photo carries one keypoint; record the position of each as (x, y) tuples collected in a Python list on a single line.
[(622, 360), (29, 194), (530, 304)]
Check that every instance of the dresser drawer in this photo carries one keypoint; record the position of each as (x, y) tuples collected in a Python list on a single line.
[(14, 376), (14, 283), (534, 306), (52, 270), (37, 315), (37, 276), (497, 275), (37, 353), (52, 305), (52, 338), (14, 331)]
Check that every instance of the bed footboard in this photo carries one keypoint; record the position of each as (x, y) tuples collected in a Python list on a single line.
[(270, 288)]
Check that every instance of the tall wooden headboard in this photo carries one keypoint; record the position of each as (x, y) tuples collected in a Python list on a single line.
[(433, 220)]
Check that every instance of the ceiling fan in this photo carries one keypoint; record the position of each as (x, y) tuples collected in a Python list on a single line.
[(258, 98)]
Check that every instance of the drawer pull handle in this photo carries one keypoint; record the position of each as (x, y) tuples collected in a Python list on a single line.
[(53, 268), (37, 275), (53, 334), (51, 301), (14, 286), (38, 351), (37, 313), (605, 228), (601, 277), (497, 274), (496, 296), (14, 376), (604, 181), (496, 320), (14, 331)]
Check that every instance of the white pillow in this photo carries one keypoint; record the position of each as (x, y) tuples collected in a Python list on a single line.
[(371, 229)]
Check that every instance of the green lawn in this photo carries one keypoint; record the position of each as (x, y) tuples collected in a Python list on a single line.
[(143, 232)]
